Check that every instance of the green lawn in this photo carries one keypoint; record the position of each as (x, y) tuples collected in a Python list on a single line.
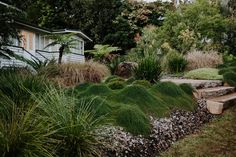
[(217, 139)]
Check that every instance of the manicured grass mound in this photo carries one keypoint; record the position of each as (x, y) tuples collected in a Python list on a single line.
[(113, 78), (230, 78), (134, 120), (168, 88), (97, 90), (173, 96), (144, 83), (204, 73), (187, 88), (130, 80), (116, 85), (140, 96)]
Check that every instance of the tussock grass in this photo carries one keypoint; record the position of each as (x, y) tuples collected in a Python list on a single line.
[(168, 88), (142, 83), (116, 85), (72, 74), (199, 59)]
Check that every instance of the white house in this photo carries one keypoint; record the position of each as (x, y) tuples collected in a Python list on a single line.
[(33, 41)]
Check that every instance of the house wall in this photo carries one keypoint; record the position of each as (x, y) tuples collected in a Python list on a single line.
[(35, 43)]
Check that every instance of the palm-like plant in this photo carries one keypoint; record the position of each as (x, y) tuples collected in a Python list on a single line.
[(66, 42), (101, 51)]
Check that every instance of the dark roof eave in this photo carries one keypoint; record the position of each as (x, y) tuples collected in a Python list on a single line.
[(44, 30)]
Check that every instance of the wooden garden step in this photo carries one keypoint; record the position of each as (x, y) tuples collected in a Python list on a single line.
[(214, 92), (218, 104)]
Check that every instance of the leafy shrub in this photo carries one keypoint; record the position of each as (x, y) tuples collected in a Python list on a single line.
[(169, 88), (230, 78), (133, 120), (144, 83), (148, 69), (187, 88), (204, 73), (74, 73), (116, 84), (227, 69), (200, 59), (176, 62)]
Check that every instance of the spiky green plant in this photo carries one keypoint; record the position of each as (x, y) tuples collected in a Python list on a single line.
[(148, 69), (74, 125), (22, 132)]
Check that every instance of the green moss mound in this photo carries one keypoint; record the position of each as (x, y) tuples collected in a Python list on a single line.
[(230, 78), (141, 97), (97, 90), (168, 88), (187, 88), (116, 85), (133, 120), (144, 83), (97, 104), (204, 73)]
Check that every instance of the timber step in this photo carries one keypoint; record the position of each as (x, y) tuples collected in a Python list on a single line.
[(215, 91), (218, 104)]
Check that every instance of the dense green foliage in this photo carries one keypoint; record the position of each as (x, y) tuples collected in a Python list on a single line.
[(176, 62), (204, 73), (144, 83), (187, 88), (134, 120), (116, 85), (230, 78)]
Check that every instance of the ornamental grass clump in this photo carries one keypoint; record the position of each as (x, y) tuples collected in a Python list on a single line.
[(72, 74), (148, 69), (116, 85), (73, 124), (187, 88), (144, 83), (199, 59)]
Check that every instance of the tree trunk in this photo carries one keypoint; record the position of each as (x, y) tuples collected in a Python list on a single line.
[(61, 49)]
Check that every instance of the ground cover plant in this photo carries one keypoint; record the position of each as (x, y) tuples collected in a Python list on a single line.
[(137, 100), (204, 73)]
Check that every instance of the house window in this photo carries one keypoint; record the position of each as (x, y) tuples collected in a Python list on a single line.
[(41, 42), (37, 41)]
